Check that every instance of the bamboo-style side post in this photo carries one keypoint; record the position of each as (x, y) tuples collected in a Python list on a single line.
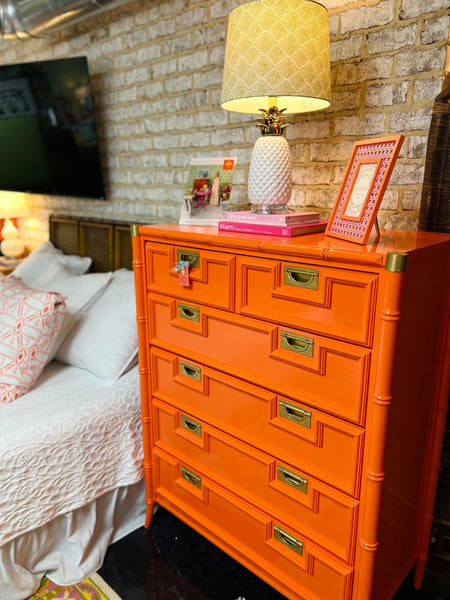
[(439, 412), (144, 364), (378, 414)]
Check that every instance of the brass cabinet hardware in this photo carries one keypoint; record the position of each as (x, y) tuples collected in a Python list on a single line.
[(191, 477), (191, 313), (294, 413), (297, 343), (301, 277), (191, 425), (293, 479), (289, 540), (190, 371), (190, 256)]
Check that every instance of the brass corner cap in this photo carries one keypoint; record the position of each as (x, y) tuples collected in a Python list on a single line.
[(396, 262), (134, 230)]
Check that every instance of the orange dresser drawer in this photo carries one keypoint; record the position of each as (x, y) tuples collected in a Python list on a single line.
[(300, 568), (326, 447), (211, 274), (334, 302), (306, 504), (328, 374)]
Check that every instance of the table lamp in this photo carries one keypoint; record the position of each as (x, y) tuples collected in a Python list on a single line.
[(12, 204), (276, 62)]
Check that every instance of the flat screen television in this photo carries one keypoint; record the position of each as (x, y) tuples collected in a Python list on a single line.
[(48, 133)]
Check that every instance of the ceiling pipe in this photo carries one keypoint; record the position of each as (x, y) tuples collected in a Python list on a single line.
[(21, 19)]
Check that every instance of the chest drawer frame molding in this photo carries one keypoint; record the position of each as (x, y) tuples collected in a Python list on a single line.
[(401, 325)]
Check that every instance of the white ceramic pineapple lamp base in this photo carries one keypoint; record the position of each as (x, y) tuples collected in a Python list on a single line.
[(269, 180)]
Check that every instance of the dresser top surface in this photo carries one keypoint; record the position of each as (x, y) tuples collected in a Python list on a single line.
[(316, 245)]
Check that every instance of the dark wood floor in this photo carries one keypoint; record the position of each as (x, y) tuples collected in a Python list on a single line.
[(170, 561)]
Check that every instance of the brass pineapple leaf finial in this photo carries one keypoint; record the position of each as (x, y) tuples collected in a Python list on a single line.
[(272, 122)]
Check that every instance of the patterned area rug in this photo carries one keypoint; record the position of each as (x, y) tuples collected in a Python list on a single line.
[(92, 588)]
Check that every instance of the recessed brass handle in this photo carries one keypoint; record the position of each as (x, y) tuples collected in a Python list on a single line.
[(293, 479), (191, 425), (301, 277), (289, 540), (191, 477), (190, 371), (297, 343), (294, 413), (190, 313), (193, 258)]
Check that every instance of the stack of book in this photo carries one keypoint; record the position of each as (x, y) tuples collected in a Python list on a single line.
[(286, 225)]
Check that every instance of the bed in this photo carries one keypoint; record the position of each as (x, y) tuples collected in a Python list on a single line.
[(71, 479)]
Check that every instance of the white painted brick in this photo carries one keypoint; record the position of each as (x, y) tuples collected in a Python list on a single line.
[(161, 29), (193, 62), (345, 49), (150, 90), (321, 199), (122, 25), (217, 118), (411, 200), (417, 146), (333, 25), (166, 142), (192, 18), (143, 178), (126, 95), (309, 175), (427, 89), (148, 15), (390, 200), (155, 160), (165, 105), (379, 95), (334, 152), (178, 84), (130, 161), (376, 68), (409, 63), (128, 129), (370, 125), (410, 121), (196, 139), (172, 8), (135, 38), (153, 126), (164, 68), (409, 174), (208, 78), (146, 54), (298, 153), (367, 17), (310, 130), (141, 144), (345, 100), (416, 8), (181, 43), (222, 8), (388, 40), (180, 122), (138, 75), (435, 30), (210, 35)]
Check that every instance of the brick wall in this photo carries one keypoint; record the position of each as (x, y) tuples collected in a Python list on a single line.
[(156, 69)]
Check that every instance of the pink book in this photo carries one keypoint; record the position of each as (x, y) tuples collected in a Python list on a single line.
[(276, 219), (280, 230)]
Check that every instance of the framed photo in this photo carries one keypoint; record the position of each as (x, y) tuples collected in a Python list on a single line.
[(361, 192), (208, 190)]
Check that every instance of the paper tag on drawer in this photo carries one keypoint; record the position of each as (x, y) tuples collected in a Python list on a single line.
[(182, 268)]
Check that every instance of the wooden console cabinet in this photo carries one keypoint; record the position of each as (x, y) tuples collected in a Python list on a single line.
[(294, 396)]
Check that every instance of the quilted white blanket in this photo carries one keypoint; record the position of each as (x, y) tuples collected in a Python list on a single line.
[(65, 443)]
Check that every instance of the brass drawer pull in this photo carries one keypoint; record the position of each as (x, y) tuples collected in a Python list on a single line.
[(301, 277), (288, 540), (191, 313), (295, 413), (190, 371), (293, 479), (297, 343), (191, 425), (191, 477), (192, 257)]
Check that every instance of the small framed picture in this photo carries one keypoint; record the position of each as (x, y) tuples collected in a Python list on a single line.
[(361, 192), (208, 189)]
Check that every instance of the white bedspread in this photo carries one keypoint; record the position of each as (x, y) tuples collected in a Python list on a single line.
[(65, 443)]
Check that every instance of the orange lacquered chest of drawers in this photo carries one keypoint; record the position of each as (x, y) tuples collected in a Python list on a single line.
[(294, 396)]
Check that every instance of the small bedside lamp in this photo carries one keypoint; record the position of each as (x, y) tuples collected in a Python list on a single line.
[(276, 61), (12, 204)]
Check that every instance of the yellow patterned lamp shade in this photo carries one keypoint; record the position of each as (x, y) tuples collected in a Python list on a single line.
[(277, 49)]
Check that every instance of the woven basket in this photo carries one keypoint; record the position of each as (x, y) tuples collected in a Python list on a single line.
[(435, 204)]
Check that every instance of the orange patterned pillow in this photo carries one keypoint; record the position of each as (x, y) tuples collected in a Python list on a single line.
[(29, 323)]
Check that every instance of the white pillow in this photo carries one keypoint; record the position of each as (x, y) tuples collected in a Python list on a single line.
[(33, 270), (104, 340), (78, 291)]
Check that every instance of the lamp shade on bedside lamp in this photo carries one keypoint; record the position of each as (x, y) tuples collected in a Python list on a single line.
[(12, 205), (277, 61)]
